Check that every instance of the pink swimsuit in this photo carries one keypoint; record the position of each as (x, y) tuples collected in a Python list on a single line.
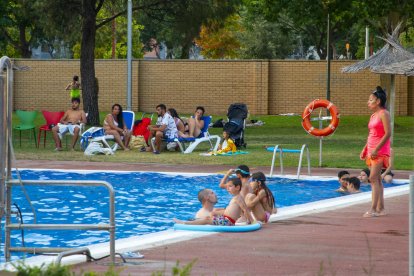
[(376, 132)]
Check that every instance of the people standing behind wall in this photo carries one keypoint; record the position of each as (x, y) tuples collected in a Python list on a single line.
[(165, 128), (377, 150), (195, 123), (114, 125), (74, 88)]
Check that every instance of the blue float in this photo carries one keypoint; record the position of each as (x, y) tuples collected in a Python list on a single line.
[(219, 228)]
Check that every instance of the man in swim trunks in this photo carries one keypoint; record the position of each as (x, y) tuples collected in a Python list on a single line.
[(231, 213), (70, 122), (208, 199)]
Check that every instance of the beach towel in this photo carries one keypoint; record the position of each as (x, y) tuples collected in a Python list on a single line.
[(141, 129)]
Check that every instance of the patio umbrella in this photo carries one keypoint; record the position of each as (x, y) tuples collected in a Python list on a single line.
[(398, 68), (390, 56)]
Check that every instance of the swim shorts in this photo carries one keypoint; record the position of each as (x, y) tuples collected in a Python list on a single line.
[(65, 128), (223, 220), (384, 160)]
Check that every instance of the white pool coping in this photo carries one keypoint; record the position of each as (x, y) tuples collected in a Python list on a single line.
[(163, 238)]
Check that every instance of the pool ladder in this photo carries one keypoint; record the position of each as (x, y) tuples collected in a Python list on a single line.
[(278, 149), (18, 226)]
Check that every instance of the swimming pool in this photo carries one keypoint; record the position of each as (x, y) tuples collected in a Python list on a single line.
[(145, 202)]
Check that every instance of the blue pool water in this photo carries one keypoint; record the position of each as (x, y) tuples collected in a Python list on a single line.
[(145, 202)]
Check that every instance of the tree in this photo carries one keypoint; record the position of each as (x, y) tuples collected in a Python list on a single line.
[(218, 39), (84, 14), (181, 26), (18, 27), (308, 19), (262, 39)]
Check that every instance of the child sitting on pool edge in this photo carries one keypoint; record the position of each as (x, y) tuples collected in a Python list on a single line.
[(229, 215), (260, 200)]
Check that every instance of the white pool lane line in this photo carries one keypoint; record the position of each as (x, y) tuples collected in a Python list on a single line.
[(163, 238)]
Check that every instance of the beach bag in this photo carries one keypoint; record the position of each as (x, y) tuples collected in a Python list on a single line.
[(97, 148), (137, 142), (90, 133)]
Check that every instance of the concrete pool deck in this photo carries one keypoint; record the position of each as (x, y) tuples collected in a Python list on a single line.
[(339, 241)]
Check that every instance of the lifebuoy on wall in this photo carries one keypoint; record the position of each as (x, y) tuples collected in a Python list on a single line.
[(306, 120)]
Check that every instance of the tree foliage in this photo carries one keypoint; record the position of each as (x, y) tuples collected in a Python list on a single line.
[(218, 39), (182, 24), (19, 27)]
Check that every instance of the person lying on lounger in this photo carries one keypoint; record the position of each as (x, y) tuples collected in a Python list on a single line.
[(231, 213)]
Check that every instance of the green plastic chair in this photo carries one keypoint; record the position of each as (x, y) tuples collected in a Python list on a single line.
[(26, 123)]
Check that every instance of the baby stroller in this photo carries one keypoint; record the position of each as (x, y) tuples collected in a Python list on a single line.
[(237, 114)]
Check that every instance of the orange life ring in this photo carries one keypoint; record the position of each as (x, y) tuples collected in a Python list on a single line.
[(306, 122)]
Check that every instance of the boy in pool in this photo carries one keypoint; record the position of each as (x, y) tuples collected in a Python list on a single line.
[(342, 178), (243, 173), (208, 199), (353, 185), (231, 213)]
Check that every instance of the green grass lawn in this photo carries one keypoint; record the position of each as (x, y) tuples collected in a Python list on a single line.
[(340, 150)]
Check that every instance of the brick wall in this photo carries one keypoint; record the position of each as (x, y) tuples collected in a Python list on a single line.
[(267, 87)]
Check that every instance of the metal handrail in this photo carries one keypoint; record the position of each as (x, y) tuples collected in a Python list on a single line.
[(82, 250), (110, 227), (274, 159), (278, 148)]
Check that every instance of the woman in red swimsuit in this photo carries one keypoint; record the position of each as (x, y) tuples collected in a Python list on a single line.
[(376, 152)]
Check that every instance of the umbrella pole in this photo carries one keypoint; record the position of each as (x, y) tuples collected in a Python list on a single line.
[(392, 107)]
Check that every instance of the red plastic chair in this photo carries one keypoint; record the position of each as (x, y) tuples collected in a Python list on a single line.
[(52, 118)]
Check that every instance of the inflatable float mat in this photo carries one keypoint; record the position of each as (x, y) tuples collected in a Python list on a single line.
[(218, 228)]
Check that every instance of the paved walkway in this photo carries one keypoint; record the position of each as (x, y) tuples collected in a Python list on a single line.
[(338, 242)]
